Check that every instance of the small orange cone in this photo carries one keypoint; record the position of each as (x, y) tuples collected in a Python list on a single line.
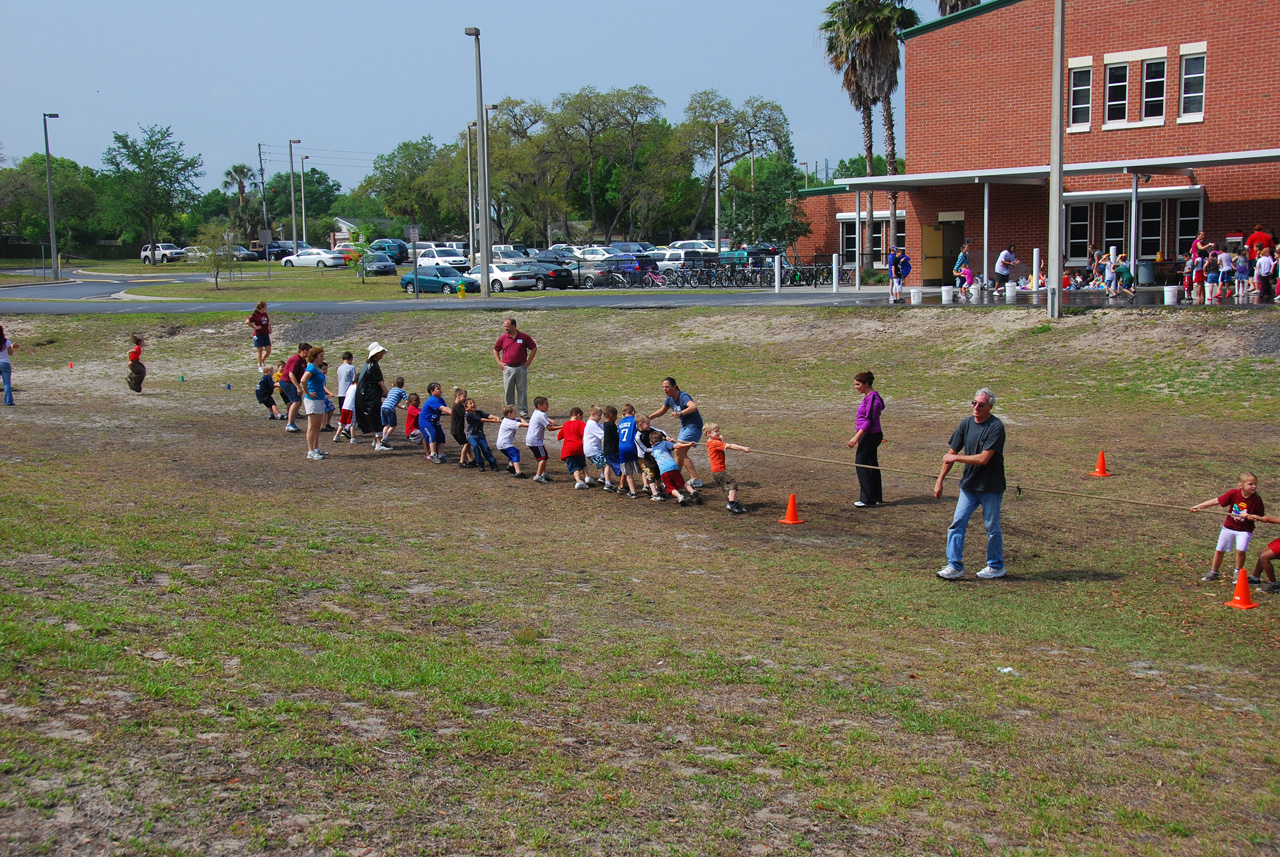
[(71, 365), (1100, 469), (792, 517), (1242, 599)]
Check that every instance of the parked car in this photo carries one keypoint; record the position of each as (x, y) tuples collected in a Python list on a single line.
[(378, 264), (632, 247), (442, 256), (351, 251), (393, 247), (507, 256), (586, 273), (196, 253), (288, 246), (552, 274), (704, 246), (595, 253), (504, 276), (163, 253), (239, 252), (438, 278), (314, 257), (272, 252), (560, 256), (517, 248)]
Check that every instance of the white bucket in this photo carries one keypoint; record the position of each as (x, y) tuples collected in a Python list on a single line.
[(1170, 295), (948, 292), (1010, 292), (917, 296)]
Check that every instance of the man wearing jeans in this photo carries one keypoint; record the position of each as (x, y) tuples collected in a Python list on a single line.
[(514, 352), (978, 444)]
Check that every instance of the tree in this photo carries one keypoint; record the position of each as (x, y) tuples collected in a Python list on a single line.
[(950, 7), (239, 177), (153, 179), (321, 192), (221, 258), (769, 211), (24, 206)]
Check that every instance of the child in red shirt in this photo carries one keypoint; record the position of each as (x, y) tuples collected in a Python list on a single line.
[(1242, 501), (571, 448), (716, 445), (137, 372), (413, 407)]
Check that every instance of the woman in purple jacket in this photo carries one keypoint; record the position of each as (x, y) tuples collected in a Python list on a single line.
[(866, 441)]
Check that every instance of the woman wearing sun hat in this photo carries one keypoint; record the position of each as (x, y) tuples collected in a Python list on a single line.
[(370, 389)]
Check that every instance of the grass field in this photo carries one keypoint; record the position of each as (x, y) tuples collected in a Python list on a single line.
[(213, 646)]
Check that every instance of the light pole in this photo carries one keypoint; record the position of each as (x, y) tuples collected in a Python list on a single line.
[(482, 171), (1055, 167), (302, 178), (293, 207), (471, 202), (48, 180), (719, 122), (804, 168)]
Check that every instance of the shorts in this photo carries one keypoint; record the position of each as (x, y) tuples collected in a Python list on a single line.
[(599, 461), (615, 463), (725, 480), (1274, 547), (459, 436), (262, 340), (288, 390), (574, 463), (512, 454), (631, 467), (1213, 278), (265, 399), (690, 433), (673, 480), (1237, 539), (1001, 279), (313, 406), (328, 405), (388, 417), (651, 467), (434, 433), (539, 453), (346, 417), (414, 436)]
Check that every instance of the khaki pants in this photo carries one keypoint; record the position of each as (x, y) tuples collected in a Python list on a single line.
[(515, 384)]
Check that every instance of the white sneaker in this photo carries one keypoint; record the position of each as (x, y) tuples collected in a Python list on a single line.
[(321, 453), (697, 483), (355, 440), (990, 573), (539, 479), (581, 486), (312, 456), (951, 573), (589, 481)]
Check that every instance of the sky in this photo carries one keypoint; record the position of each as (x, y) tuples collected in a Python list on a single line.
[(355, 80)]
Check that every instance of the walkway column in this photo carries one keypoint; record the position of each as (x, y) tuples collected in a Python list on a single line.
[(1133, 228), (857, 240), (986, 234)]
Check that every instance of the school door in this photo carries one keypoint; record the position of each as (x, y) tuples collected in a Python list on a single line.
[(931, 256)]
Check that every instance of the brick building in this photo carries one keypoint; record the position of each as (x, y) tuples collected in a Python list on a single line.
[(1170, 113)]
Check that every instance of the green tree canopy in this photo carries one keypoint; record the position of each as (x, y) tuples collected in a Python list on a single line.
[(153, 179)]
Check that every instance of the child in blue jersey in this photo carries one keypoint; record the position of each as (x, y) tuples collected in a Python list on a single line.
[(429, 423), (479, 444), (395, 399), (628, 458)]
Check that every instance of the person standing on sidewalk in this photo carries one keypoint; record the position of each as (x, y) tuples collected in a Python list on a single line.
[(978, 444), (866, 440), (514, 352)]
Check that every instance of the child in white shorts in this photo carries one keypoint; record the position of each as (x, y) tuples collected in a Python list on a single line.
[(1236, 530)]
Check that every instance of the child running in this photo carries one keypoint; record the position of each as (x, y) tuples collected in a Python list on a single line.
[(507, 440), (716, 445), (1241, 501), (571, 453), (535, 437), (394, 400), (479, 444)]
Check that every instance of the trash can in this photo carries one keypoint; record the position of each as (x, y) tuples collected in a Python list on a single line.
[(1146, 272)]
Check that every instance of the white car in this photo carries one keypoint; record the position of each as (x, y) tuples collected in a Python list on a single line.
[(196, 253), (595, 254), (442, 256), (704, 246), (314, 257), (163, 253), (504, 276)]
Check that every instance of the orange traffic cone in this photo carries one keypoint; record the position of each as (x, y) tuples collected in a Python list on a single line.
[(791, 516), (1100, 469), (71, 365), (1242, 599)]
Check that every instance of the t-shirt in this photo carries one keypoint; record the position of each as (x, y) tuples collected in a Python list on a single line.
[(973, 438), (507, 432), (1265, 266), (475, 422), (4, 351), (514, 350), (593, 439), (430, 408), (538, 422), (266, 386), (1257, 241), (664, 454), (294, 366), (411, 419), (349, 400), (868, 416), (458, 419), (645, 438), (892, 263), (715, 454), (1003, 261), (135, 354), (627, 438), (395, 396), (571, 438), (261, 323), (346, 377), (611, 438), (315, 382), (1237, 504), (679, 403)]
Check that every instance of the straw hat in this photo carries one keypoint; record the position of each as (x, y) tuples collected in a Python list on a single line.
[(375, 348)]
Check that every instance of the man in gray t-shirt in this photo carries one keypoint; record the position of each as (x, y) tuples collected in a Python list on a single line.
[(978, 444)]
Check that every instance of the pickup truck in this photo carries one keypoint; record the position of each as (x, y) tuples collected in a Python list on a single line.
[(274, 251)]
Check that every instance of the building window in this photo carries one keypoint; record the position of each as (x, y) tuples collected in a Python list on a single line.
[(1188, 224), (1113, 227), (1117, 93), (1077, 232), (1153, 89), (848, 244), (1193, 85), (1148, 229), (879, 248), (1081, 95)]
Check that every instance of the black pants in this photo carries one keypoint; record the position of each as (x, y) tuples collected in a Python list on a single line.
[(1267, 289), (870, 489), (137, 374)]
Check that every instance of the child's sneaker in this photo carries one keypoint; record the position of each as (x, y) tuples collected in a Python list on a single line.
[(1212, 575), (684, 501), (697, 498), (540, 479), (581, 486), (521, 475), (511, 468), (589, 481), (631, 495), (1253, 581), (1271, 587), (610, 488), (656, 498), (697, 483), (355, 440)]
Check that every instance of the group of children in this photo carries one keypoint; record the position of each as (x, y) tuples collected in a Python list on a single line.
[(628, 455), (1244, 510)]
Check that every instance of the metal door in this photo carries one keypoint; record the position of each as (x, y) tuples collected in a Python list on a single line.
[(932, 263)]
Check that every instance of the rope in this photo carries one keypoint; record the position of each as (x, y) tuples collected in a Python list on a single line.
[(1017, 488)]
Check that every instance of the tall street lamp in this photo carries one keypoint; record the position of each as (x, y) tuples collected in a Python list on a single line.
[(719, 122), (804, 168), (471, 202), (293, 207), (302, 178), (482, 170), (48, 180)]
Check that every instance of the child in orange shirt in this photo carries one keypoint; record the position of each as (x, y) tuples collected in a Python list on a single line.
[(716, 445)]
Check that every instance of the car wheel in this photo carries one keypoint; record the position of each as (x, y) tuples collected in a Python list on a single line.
[(288, 264), (540, 284), (588, 282), (146, 260), (446, 289), (495, 286)]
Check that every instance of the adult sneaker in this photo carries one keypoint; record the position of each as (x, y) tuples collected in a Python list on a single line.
[(581, 486), (990, 573), (320, 452), (859, 504), (291, 428), (950, 572), (1212, 575), (311, 456)]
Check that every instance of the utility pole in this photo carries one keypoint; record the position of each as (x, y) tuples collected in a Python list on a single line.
[(48, 180), (303, 179), (293, 208), (482, 171)]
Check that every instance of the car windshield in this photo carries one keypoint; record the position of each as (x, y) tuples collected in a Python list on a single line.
[(380, 257)]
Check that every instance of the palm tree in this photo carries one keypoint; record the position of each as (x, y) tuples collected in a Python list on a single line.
[(949, 7), (238, 177)]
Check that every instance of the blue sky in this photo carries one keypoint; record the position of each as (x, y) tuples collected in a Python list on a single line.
[(354, 80)]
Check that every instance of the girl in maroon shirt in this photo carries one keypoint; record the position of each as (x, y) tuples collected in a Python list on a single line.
[(1240, 502)]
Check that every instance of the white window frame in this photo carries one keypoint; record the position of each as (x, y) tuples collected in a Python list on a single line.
[(1077, 103), (1185, 115), (1068, 222), (1144, 234), (1146, 81), (1190, 235), (1106, 98)]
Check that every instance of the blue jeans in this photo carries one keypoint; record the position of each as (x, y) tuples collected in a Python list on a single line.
[(968, 502), (480, 450), (6, 371)]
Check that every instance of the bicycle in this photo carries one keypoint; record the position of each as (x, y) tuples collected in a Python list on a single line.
[(654, 279)]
